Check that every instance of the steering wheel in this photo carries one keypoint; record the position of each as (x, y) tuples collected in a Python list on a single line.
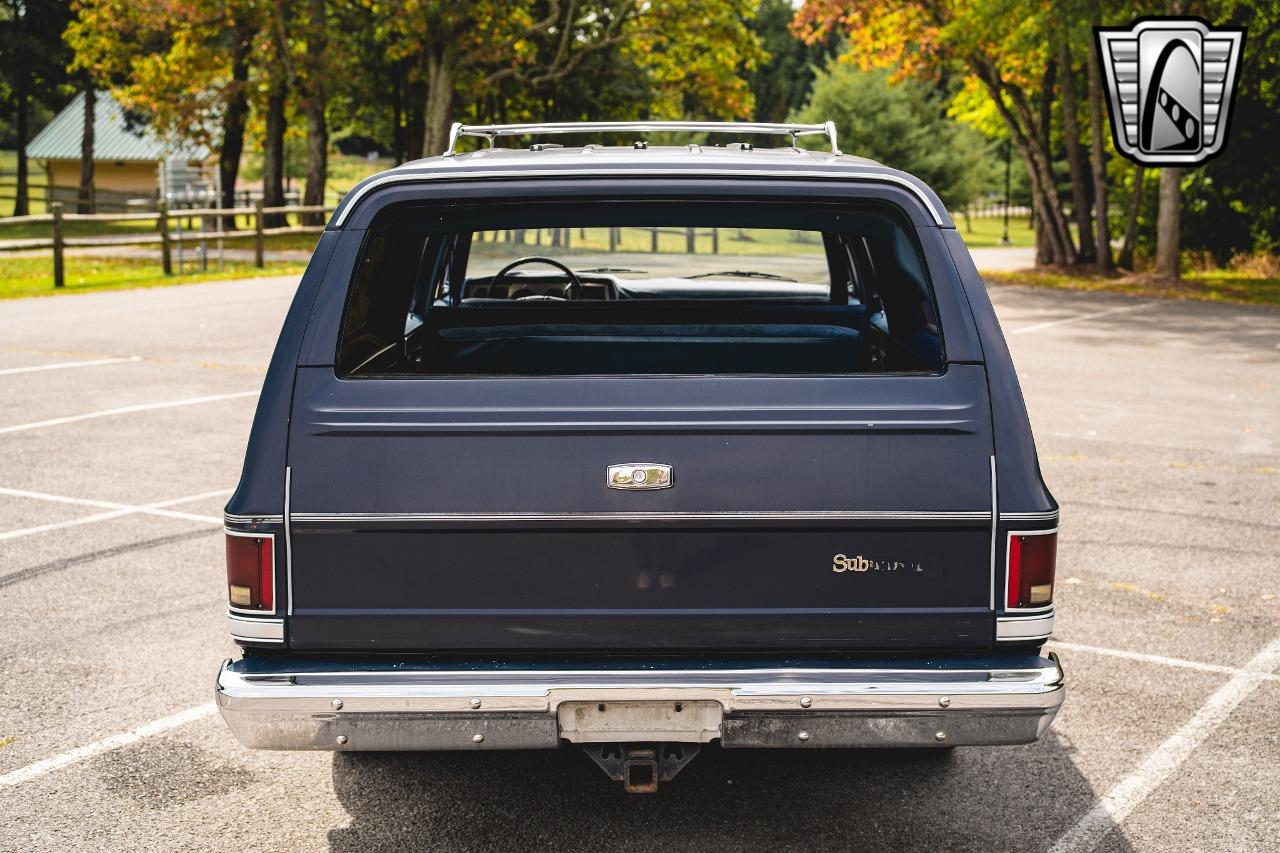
[(573, 289)]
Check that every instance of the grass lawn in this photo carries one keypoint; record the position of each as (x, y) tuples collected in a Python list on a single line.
[(986, 231), (33, 276), (346, 171), (1213, 286)]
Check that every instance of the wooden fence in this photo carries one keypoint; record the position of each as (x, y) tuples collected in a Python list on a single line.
[(164, 236), (562, 238)]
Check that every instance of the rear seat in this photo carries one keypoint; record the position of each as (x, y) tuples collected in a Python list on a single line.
[(576, 348)]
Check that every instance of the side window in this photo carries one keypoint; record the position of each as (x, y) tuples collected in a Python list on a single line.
[(379, 301), (904, 252)]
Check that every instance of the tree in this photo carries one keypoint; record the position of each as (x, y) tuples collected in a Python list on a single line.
[(239, 34), (1003, 46), (358, 121), (1075, 160), (463, 51), (275, 88), (308, 73), (1131, 220), (85, 199), (1231, 205), (782, 83), (1097, 159), (1169, 225), (314, 102), (182, 64), (903, 125), (33, 71)]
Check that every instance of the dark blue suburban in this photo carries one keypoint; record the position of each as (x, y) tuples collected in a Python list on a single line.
[(640, 448)]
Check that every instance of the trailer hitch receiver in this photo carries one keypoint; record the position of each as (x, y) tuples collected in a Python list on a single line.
[(641, 766)]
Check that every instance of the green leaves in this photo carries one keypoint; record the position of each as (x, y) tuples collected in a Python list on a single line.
[(903, 125)]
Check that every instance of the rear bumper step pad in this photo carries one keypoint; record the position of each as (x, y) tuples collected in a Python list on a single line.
[(276, 705)]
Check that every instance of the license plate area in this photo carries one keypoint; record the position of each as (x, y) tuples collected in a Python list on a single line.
[(674, 721)]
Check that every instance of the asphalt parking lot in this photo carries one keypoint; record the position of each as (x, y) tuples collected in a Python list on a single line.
[(123, 418)]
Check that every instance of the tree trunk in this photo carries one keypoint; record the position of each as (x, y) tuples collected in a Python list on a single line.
[(1075, 159), (317, 163), (22, 201), (397, 112), (1169, 223), (1053, 218), (314, 105), (439, 101), (1097, 162), (273, 150), (84, 198), (1131, 223), (1053, 239), (233, 121), (415, 124)]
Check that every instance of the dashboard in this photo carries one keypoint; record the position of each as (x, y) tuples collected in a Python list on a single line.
[(526, 285)]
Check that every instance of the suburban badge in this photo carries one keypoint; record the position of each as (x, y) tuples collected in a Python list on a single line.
[(840, 564)]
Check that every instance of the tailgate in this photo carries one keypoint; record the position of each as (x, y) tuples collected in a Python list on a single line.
[(806, 512)]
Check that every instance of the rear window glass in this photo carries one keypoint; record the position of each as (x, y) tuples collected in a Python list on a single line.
[(639, 288)]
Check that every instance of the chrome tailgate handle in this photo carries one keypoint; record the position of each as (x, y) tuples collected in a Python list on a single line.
[(639, 475)]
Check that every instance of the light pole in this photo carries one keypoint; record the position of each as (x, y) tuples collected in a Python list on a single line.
[(1008, 159)]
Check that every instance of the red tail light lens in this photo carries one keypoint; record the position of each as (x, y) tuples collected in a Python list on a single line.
[(1032, 559), (250, 572)]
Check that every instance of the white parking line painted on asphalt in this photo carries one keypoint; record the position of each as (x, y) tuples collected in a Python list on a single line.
[(125, 410), (1110, 811), (9, 371), (1049, 324), (121, 510), (168, 513), (98, 747), (1157, 659)]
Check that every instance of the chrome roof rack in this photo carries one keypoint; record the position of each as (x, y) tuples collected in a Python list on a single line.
[(491, 132)]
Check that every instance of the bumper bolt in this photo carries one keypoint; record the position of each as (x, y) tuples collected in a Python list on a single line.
[(805, 701), (475, 703), (337, 704), (944, 701), (342, 740), (804, 736), (477, 738), (940, 736)]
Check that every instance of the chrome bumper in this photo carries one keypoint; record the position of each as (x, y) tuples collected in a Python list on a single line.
[(276, 704)]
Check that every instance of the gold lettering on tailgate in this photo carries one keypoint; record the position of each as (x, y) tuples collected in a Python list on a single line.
[(841, 563)]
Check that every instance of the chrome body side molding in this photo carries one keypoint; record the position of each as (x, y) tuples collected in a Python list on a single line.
[(1047, 516), (233, 520), (995, 522), (504, 517), (279, 705)]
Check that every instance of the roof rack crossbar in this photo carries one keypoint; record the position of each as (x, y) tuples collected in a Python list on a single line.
[(491, 132)]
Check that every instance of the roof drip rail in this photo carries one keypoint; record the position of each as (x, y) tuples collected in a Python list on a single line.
[(492, 132)]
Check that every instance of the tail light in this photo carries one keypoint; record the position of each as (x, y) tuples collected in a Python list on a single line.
[(1032, 557), (250, 572)]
